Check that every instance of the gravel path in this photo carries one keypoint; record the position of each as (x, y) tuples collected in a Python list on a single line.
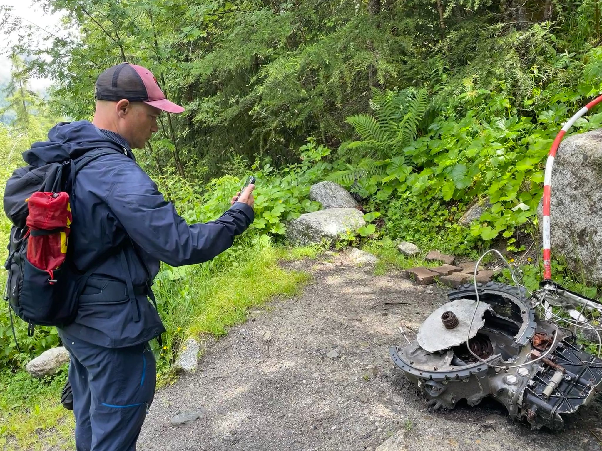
[(313, 373)]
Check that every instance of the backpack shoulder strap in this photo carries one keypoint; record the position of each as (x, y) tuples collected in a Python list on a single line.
[(78, 164), (88, 157)]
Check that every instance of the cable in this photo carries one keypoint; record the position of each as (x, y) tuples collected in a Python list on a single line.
[(404, 335), (519, 285), (582, 326)]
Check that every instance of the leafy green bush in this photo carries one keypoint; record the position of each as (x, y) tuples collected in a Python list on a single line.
[(484, 150), (430, 226), (280, 195)]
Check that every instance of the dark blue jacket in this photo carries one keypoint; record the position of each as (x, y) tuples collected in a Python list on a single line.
[(117, 206)]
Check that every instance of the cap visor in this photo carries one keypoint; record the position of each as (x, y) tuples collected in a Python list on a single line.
[(166, 105)]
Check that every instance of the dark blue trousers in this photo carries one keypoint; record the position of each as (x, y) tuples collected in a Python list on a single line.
[(112, 390)]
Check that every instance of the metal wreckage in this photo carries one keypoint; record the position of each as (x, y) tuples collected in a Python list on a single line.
[(496, 340)]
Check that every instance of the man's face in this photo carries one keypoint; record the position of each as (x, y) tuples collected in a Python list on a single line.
[(139, 124)]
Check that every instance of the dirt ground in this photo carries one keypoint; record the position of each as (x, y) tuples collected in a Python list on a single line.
[(313, 373)]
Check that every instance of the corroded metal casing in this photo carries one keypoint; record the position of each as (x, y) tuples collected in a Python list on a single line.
[(507, 344)]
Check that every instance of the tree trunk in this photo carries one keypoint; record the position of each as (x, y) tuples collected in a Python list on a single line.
[(521, 16), (374, 7), (441, 21), (176, 153), (597, 20), (547, 12)]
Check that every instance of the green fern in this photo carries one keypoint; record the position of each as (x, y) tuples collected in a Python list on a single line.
[(367, 168), (394, 125), (408, 128), (368, 128)]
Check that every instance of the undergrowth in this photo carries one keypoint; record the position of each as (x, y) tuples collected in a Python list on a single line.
[(31, 415)]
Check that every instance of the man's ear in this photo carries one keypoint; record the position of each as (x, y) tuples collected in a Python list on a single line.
[(123, 107)]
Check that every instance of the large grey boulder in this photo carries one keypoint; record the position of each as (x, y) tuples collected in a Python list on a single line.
[(321, 225), (331, 195), (48, 362), (576, 222)]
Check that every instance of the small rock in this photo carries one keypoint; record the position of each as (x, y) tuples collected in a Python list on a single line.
[(48, 362), (396, 442), (438, 256), (590, 335), (334, 354), (474, 212), (360, 257), (188, 358), (484, 276), (407, 248), (186, 417), (489, 423), (373, 370)]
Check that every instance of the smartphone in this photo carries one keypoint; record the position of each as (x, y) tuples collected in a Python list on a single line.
[(250, 179)]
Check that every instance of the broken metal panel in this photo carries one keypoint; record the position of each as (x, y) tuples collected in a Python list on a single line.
[(434, 336)]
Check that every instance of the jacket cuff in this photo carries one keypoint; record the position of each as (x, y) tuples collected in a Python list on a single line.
[(248, 211)]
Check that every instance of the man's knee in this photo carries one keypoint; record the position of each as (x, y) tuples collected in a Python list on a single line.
[(116, 428), (120, 384)]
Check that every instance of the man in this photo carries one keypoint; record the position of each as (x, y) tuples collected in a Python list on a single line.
[(122, 229)]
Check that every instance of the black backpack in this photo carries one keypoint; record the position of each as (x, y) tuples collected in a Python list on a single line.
[(29, 291)]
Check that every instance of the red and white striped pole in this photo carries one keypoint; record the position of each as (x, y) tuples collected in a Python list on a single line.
[(547, 185)]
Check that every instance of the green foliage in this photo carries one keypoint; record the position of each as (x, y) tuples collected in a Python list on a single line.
[(395, 125), (30, 408), (284, 195), (260, 77), (429, 225), (369, 229), (280, 196), (478, 146)]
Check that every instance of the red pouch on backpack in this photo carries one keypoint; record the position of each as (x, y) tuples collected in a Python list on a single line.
[(49, 222)]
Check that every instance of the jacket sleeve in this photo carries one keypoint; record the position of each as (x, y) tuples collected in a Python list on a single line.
[(155, 226)]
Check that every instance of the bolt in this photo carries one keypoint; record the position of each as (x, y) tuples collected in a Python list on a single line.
[(450, 320), (510, 379)]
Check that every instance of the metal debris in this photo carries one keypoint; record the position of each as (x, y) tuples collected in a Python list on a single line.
[(433, 335), (531, 366)]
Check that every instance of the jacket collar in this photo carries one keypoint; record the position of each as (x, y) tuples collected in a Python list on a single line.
[(120, 141)]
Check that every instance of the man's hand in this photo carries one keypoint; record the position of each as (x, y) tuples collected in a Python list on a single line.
[(246, 197)]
